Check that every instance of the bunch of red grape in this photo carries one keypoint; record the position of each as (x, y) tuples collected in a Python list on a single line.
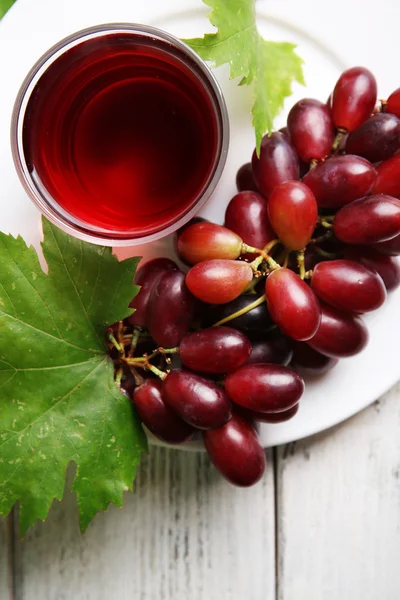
[(283, 282)]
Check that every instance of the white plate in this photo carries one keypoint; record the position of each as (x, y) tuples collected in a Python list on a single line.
[(33, 25)]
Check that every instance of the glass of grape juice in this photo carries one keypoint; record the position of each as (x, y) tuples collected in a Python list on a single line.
[(120, 134)]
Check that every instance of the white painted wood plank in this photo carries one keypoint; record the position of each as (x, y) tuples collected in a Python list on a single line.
[(185, 533), (339, 510), (5, 575)]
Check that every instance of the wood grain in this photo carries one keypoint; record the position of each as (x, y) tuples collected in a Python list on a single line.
[(185, 533), (339, 510)]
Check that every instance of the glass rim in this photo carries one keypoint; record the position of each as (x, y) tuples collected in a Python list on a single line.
[(49, 206)]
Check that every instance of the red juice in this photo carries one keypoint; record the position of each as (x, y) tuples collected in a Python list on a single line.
[(122, 134)]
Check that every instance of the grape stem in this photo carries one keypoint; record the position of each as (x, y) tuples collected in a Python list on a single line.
[(326, 221), (286, 258), (241, 312), (121, 335), (143, 363), (118, 377), (250, 288), (300, 262), (139, 380), (338, 138), (322, 238), (324, 253), (112, 339), (135, 338), (161, 374), (264, 256), (313, 163)]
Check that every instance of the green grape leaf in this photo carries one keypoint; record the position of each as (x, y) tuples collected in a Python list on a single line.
[(4, 6), (270, 67), (58, 400)]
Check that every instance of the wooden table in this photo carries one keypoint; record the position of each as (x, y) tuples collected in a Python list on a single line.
[(323, 524)]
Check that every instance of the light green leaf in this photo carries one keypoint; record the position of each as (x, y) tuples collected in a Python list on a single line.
[(270, 67), (4, 6), (58, 400)]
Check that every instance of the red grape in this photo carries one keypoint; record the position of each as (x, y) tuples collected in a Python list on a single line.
[(277, 163), (247, 216), (340, 334), (170, 309), (388, 177), (205, 241), (390, 247), (147, 277), (277, 349), (157, 416), (377, 139), (292, 304), (276, 417), (311, 129), (236, 451), (254, 323), (128, 384), (245, 179), (214, 350), (293, 213), (340, 180), (386, 266), (368, 220), (219, 281), (179, 232), (264, 387), (348, 285), (393, 103), (354, 98), (311, 362), (198, 401)]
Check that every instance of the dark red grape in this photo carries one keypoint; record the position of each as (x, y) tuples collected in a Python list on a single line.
[(205, 241), (247, 216), (368, 220), (393, 103), (215, 350), (277, 349), (311, 362), (292, 304), (277, 163), (264, 387), (340, 334), (128, 384), (236, 451), (219, 281), (170, 310), (340, 180), (348, 285), (157, 416), (198, 401), (388, 178), (377, 139), (390, 247), (311, 129), (386, 266), (276, 417), (147, 277), (254, 323), (353, 98), (293, 213), (245, 179), (285, 131)]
